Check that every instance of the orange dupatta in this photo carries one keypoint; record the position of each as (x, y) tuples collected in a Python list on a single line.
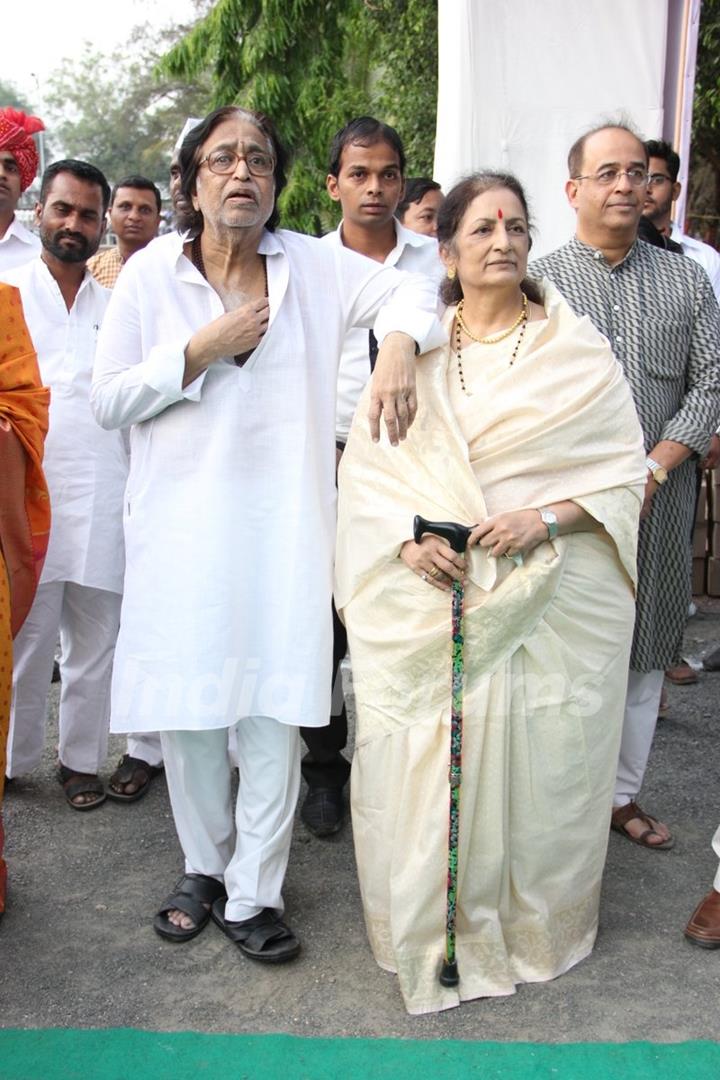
[(24, 500)]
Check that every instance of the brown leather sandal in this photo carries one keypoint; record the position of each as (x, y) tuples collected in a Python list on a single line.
[(622, 814)]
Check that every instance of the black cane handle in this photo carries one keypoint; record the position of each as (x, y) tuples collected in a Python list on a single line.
[(456, 535)]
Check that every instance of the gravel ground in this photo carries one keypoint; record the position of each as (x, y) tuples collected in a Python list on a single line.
[(77, 947)]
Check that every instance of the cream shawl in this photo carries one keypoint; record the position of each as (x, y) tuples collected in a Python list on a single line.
[(561, 425)]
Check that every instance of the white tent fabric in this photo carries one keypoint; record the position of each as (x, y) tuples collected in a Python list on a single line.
[(520, 80)]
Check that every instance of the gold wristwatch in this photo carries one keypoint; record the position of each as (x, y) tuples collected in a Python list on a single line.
[(659, 472)]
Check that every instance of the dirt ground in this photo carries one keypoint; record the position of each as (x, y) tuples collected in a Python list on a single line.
[(77, 947)]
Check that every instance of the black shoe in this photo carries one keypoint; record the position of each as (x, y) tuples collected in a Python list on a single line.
[(323, 811)]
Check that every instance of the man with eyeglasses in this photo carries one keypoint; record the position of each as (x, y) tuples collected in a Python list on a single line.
[(662, 191), (660, 315), (221, 349)]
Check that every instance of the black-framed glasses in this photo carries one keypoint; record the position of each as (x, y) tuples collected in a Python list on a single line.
[(656, 179), (605, 177), (223, 162)]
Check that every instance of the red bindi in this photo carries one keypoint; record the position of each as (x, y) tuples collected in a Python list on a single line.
[(499, 214)]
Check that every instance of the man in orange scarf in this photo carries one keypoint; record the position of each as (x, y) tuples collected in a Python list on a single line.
[(24, 501)]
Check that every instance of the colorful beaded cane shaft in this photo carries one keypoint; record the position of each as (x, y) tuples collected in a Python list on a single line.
[(457, 537), (449, 974)]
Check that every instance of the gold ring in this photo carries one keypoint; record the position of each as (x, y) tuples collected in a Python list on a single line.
[(434, 571)]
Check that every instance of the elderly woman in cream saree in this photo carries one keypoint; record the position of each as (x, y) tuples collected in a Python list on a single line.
[(549, 424)]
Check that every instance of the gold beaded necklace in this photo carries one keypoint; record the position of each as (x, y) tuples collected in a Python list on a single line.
[(460, 325)]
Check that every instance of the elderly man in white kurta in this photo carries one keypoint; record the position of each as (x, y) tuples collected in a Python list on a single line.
[(86, 469), (222, 352)]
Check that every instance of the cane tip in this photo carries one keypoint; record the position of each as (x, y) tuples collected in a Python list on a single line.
[(449, 973)]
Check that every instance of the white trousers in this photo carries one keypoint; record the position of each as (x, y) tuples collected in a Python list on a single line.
[(641, 709), (87, 621), (716, 849), (145, 746), (249, 849)]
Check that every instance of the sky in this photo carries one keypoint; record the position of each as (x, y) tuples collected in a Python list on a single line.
[(35, 47)]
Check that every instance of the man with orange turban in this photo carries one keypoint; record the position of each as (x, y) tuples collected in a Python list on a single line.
[(18, 168), (24, 502)]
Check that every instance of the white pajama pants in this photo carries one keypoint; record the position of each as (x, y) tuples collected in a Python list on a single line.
[(145, 746), (247, 849), (641, 709), (716, 849), (87, 621)]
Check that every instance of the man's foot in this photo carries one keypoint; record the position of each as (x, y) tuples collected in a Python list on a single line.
[(187, 909), (704, 926), (664, 706), (131, 779), (83, 791), (682, 674), (264, 937), (635, 825), (323, 811)]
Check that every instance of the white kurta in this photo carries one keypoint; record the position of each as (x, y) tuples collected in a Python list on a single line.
[(86, 467), (17, 246), (230, 512), (413, 253)]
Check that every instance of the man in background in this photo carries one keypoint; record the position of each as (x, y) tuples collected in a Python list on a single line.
[(366, 175), (134, 217), (659, 314), (18, 168), (86, 469), (662, 191)]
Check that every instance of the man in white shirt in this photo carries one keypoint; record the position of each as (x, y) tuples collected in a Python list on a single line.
[(662, 191), (366, 175), (222, 353), (18, 168), (86, 468)]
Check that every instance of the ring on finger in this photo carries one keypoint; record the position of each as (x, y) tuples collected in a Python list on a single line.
[(424, 576), (434, 571)]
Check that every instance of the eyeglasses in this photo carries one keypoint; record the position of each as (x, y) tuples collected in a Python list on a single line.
[(606, 177), (655, 179), (223, 162)]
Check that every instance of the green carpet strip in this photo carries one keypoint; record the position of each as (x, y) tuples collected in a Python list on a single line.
[(122, 1053)]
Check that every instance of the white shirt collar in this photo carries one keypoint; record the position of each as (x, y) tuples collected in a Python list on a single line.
[(404, 237), (19, 231)]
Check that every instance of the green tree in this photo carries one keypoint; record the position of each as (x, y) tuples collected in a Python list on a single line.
[(10, 95), (311, 65), (704, 194), (116, 112)]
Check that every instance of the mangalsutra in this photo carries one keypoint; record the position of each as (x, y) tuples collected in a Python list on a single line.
[(521, 321), (494, 338)]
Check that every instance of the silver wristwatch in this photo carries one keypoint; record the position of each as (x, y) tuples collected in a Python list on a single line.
[(549, 518)]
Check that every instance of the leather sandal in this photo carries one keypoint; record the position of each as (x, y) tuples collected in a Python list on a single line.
[(76, 783), (621, 815), (190, 895), (132, 770), (264, 937)]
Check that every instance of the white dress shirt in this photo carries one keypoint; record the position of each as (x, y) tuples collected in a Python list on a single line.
[(703, 254), (17, 246), (230, 510), (413, 253), (86, 467)]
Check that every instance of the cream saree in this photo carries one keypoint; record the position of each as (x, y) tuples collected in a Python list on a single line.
[(546, 660)]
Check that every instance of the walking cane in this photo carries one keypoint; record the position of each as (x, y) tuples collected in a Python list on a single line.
[(457, 537)]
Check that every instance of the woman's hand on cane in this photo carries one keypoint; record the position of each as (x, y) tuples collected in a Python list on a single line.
[(434, 561)]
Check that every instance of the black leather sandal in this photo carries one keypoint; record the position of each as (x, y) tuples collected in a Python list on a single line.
[(132, 770), (190, 895), (75, 783), (264, 937)]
